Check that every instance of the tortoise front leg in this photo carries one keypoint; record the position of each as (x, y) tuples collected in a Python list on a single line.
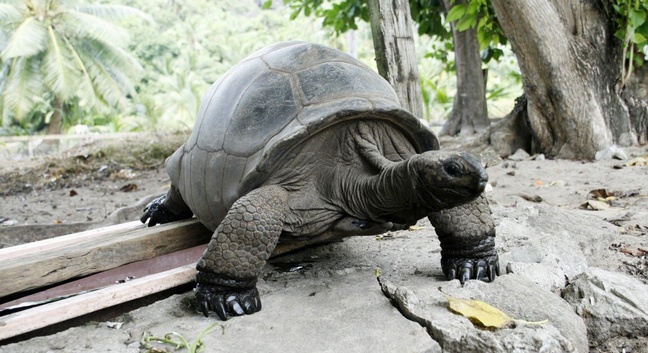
[(467, 236), (229, 268)]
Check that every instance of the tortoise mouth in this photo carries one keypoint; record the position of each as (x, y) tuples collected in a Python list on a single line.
[(447, 197)]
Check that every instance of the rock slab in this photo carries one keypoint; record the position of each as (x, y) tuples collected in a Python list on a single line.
[(612, 304)]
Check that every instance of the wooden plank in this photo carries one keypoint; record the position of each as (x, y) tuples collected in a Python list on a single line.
[(107, 278), (74, 260), (58, 311), (42, 316), (65, 240)]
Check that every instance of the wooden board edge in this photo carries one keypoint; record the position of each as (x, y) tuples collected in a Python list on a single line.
[(32, 319)]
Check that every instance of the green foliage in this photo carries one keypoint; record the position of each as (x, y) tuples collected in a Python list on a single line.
[(63, 53), (479, 15), (197, 345), (340, 16), (632, 30), (182, 48), (428, 14), (191, 44)]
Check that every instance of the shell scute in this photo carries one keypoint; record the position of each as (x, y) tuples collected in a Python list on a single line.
[(270, 95), (333, 80)]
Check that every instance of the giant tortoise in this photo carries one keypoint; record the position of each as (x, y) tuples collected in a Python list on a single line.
[(302, 141)]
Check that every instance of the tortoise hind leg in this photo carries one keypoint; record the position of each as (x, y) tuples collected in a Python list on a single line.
[(228, 271), (467, 236), (166, 208)]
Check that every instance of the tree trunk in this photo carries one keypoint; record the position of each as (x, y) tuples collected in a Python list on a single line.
[(391, 27), (469, 113), (55, 126), (570, 63)]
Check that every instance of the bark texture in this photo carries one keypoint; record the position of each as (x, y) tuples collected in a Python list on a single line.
[(391, 27), (570, 62), (469, 113)]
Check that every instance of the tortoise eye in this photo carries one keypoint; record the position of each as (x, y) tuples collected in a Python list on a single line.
[(452, 168)]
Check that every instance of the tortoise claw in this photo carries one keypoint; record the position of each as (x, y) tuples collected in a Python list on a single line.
[(465, 269), (227, 302)]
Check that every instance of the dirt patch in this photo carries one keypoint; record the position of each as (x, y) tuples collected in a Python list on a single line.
[(86, 183)]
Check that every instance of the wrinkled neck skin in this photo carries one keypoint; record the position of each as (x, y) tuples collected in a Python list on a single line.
[(388, 196)]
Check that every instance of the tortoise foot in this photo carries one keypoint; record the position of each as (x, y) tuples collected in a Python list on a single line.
[(464, 269), (227, 302), (164, 210), (155, 212), (226, 296)]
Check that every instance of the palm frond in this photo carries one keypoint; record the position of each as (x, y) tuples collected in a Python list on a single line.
[(85, 89), (114, 12), (58, 71), (77, 24), (23, 86), (30, 38), (9, 15), (111, 70)]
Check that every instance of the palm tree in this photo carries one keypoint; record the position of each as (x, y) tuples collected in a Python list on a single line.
[(64, 53)]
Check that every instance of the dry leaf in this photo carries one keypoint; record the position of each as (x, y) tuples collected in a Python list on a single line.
[(532, 198), (128, 188), (641, 161), (483, 314), (607, 199), (637, 252), (539, 182), (599, 193), (415, 228), (479, 312), (594, 205)]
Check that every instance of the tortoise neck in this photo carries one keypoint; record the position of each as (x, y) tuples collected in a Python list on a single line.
[(390, 192)]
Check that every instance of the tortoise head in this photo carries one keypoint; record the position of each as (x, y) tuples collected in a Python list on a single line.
[(445, 179)]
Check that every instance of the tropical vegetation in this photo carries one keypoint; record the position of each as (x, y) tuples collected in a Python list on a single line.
[(127, 65)]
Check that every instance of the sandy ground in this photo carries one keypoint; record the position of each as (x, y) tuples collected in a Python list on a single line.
[(88, 183)]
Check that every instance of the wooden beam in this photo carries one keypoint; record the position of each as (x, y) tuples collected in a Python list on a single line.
[(65, 240), (32, 319), (71, 260)]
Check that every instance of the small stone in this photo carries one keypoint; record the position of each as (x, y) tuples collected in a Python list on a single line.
[(519, 155), (612, 152)]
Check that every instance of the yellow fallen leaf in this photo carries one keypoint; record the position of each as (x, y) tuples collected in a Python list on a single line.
[(641, 161), (416, 228), (594, 205), (483, 314), (607, 199)]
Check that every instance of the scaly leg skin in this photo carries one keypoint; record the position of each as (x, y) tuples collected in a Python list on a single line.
[(467, 236), (228, 271), (166, 208)]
